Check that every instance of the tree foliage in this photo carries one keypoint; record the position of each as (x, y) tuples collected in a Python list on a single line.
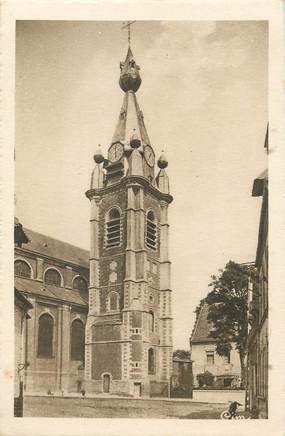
[(181, 354), (228, 309), (205, 379)]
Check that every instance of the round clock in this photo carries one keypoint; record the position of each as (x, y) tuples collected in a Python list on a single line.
[(149, 155), (116, 152)]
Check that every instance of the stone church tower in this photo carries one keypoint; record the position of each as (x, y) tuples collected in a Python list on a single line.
[(129, 326)]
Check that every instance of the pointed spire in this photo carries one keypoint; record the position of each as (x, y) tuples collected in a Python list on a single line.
[(130, 118), (130, 130), (162, 180), (97, 176)]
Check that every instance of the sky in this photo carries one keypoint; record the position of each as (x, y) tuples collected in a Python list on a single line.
[(204, 98)]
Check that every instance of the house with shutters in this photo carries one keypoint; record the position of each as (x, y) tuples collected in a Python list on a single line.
[(226, 370)]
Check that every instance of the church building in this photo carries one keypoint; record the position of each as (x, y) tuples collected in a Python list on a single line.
[(101, 321), (52, 276), (129, 325)]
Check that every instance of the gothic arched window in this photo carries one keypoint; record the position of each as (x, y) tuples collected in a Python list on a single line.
[(52, 277), (80, 284), (151, 321), (77, 340), (151, 230), (22, 269), (114, 301), (113, 228), (151, 362), (45, 336)]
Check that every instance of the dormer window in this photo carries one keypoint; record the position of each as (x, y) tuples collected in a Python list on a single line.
[(22, 269), (151, 231), (52, 277), (113, 228)]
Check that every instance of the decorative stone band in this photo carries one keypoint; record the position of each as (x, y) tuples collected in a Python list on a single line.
[(130, 181), (117, 341)]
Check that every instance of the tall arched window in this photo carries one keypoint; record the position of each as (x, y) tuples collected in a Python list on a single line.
[(151, 230), (151, 321), (45, 336), (114, 301), (80, 284), (113, 228), (22, 269), (77, 340), (151, 362), (52, 277)]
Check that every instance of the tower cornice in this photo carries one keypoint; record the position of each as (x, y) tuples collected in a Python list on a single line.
[(130, 181)]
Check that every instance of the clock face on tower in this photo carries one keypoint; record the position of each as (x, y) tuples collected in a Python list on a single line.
[(149, 155), (116, 152)]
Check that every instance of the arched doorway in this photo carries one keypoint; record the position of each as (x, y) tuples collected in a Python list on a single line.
[(106, 383)]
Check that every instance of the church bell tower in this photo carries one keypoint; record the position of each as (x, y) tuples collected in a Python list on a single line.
[(129, 325)]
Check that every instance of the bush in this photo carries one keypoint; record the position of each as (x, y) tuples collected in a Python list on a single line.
[(205, 379), (180, 392)]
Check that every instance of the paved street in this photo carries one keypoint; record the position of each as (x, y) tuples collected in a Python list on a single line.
[(119, 408)]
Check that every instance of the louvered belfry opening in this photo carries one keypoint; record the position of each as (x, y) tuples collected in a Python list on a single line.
[(151, 231), (113, 228)]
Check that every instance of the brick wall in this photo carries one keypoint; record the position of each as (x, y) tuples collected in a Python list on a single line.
[(108, 360)]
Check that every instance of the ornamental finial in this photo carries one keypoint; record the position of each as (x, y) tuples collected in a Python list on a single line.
[(162, 161), (98, 156), (130, 79), (128, 26)]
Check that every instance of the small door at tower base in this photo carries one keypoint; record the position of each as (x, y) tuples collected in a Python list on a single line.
[(106, 383), (137, 390)]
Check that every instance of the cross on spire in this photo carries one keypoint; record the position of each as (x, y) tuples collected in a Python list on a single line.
[(128, 26)]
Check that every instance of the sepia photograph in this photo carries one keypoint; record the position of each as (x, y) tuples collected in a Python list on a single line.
[(141, 219)]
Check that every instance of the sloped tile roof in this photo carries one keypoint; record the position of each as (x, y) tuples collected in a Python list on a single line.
[(52, 247), (21, 300), (29, 286), (202, 328)]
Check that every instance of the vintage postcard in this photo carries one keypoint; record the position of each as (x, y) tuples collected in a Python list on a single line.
[(143, 173)]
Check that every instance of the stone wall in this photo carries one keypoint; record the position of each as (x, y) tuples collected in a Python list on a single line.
[(219, 396), (18, 347), (57, 373), (107, 360)]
